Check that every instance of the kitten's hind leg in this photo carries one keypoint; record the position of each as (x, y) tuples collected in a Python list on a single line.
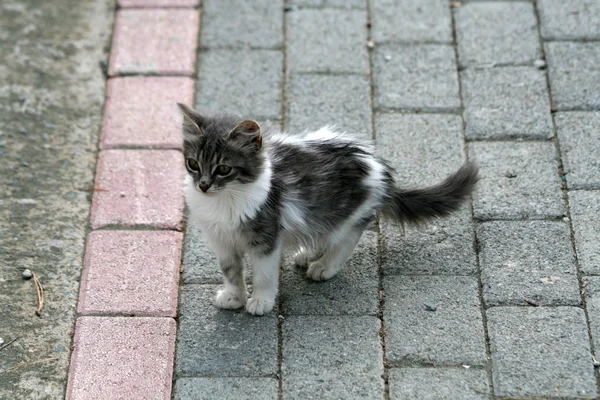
[(334, 257), (265, 278), (305, 256)]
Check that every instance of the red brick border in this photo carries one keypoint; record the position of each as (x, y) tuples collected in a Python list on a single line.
[(135, 273)]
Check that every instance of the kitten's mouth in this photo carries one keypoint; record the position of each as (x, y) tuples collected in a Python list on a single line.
[(210, 192)]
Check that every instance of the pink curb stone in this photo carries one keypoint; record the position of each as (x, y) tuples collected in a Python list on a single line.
[(122, 358), (131, 272), (142, 111), (138, 187), (159, 41), (158, 3)]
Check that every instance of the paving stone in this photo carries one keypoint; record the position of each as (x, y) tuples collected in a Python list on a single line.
[(353, 292), (506, 103), (438, 383), (314, 101), (580, 148), (592, 298), (585, 211), (416, 335), (131, 272), (138, 187), (443, 247), (530, 261), (200, 264), (154, 41), (518, 180), (327, 40), (139, 111), (416, 78), (226, 388), (219, 343), (122, 357), (410, 21), (423, 148), (332, 357), (574, 74), (258, 77), (542, 352), (240, 23), (570, 19), (329, 3), (158, 3), (491, 33)]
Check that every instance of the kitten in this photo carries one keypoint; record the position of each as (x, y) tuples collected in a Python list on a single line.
[(313, 193)]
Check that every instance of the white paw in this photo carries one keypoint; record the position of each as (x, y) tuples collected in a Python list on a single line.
[(257, 306), (320, 272), (230, 301)]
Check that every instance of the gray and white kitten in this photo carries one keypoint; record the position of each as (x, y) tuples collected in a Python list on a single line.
[(313, 194)]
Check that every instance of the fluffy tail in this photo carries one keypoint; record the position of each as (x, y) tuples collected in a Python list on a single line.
[(413, 206)]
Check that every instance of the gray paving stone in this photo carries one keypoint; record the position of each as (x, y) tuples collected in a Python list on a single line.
[(329, 3), (450, 335), (540, 352), (213, 342), (416, 78), (438, 383), (314, 101), (423, 148), (239, 23), (353, 292), (570, 19), (411, 21), (574, 74), (592, 295), (332, 358), (585, 211), (518, 180), (580, 148), (506, 102), (527, 261), (258, 78), (226, 388), (327, 40), (491, 33), (200, 264), (443, 247)]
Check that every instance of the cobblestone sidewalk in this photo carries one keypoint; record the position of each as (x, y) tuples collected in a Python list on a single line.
[(498, 301)]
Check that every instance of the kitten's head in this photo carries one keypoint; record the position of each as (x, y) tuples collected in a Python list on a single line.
[(220, 152)]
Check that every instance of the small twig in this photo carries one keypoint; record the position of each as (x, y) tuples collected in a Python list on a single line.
[(8, 344), (531, 303), (28, 363), (40, 293)]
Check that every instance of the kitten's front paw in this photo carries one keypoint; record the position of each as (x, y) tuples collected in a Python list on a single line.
[(230, 301), (320, 272), (256, 306)]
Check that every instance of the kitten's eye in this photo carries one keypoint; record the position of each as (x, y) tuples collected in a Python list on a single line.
[(223, 170), (192, 164)]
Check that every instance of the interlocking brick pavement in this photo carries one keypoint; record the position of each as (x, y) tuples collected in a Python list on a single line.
[(498, 300)]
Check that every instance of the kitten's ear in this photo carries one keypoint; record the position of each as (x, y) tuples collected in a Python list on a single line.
[(192, 121), (248, 130)]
